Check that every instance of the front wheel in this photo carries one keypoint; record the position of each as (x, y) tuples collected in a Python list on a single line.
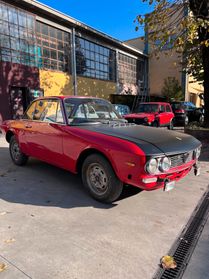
[(170, 126), (155, 124), (100, 180), (16, 154)]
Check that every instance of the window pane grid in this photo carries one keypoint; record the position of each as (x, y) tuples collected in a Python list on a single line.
[(95, 61), (54, 47), (17, 36), (127, 69)]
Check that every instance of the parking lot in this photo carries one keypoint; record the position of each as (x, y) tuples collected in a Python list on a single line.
[(51, 228)]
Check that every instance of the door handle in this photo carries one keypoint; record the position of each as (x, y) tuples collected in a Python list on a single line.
[(28, 126)]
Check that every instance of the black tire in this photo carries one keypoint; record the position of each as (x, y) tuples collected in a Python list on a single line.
[(16, 154), (100, 179), (170, 126), (155, 124)]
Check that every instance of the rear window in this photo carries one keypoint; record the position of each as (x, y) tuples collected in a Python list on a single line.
[(176, 106)]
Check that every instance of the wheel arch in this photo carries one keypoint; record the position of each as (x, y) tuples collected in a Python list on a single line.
[(87, 152), (9, 135)]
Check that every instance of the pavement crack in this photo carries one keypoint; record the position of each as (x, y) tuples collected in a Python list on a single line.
[(9, 262)]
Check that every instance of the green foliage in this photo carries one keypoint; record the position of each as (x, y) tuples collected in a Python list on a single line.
[(184, 24), (172, 23), (172, 90)]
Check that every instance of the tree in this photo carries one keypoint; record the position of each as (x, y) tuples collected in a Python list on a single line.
[(172, 90), (184, 24)]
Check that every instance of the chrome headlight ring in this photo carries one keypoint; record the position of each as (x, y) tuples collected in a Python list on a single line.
[(165, 164), (152, 166)]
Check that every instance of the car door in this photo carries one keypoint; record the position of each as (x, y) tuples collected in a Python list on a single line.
[(44, 132), (162, 115), (169, 114)]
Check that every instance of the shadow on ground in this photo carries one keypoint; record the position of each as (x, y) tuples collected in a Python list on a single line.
[(41, 184)]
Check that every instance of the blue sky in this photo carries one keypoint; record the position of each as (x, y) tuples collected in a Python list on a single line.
[(112, 17)]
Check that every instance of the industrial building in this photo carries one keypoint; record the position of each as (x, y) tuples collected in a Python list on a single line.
[(45, 52)]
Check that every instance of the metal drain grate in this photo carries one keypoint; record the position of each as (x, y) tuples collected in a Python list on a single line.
[(184, 246)]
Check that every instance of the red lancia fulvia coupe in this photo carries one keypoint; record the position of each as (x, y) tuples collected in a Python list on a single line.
[(86, 135)]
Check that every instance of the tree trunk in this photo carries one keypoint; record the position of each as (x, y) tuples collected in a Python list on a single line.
[(205, 58)]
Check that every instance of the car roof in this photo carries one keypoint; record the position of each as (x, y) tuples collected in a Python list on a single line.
[(70, 96)]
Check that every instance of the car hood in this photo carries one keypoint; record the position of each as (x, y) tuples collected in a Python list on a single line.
[(140, 115), (153, 141)]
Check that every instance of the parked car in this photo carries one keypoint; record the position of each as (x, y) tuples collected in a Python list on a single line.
[(122, 109), (155, 114), (87, 136), (186, 112)]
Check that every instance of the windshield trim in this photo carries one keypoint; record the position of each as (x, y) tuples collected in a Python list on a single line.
[(76, 102)]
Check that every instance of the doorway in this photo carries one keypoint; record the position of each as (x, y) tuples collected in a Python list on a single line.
[(18, 100)]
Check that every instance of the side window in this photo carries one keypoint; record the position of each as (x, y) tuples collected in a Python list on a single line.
[(80, 113), (48, 111), (40, 110), (168, 109), (59, 118), (30, 111), (162, 108)]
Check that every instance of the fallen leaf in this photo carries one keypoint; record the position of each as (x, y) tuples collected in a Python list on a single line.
[(9, 240), (3, 213), (168, 262), (2, 267)]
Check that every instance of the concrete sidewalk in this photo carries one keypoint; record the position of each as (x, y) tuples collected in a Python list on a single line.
[(59, 232)]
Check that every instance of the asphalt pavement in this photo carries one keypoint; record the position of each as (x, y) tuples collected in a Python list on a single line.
[(50, 228)]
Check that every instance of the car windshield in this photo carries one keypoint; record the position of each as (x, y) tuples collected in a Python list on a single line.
[(89, 110), (148, 108), (122, 109)]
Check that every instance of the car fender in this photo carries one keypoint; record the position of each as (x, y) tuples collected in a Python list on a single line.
[(122, 154)]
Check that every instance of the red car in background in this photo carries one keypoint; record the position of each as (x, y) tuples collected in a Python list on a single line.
[(87, 136), (156, 114)]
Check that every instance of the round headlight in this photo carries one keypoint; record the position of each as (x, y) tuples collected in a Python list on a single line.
[(152, 166), (165, 164)]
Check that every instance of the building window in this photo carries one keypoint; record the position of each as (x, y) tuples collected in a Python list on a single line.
[(17, 36), (95, 61), (130, 70), (53, 47)]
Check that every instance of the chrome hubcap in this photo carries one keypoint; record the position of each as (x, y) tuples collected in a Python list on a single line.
[(15, 151), (186, 120), (97, 179)]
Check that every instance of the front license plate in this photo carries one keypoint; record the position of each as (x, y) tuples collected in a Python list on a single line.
[(169, 186)]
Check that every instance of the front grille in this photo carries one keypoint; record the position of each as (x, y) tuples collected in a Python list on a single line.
[(180, 159), (138, 121)]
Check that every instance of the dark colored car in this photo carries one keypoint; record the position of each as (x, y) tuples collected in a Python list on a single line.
[(87, 136), (122, 109), (157, 114), (186, 112)]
